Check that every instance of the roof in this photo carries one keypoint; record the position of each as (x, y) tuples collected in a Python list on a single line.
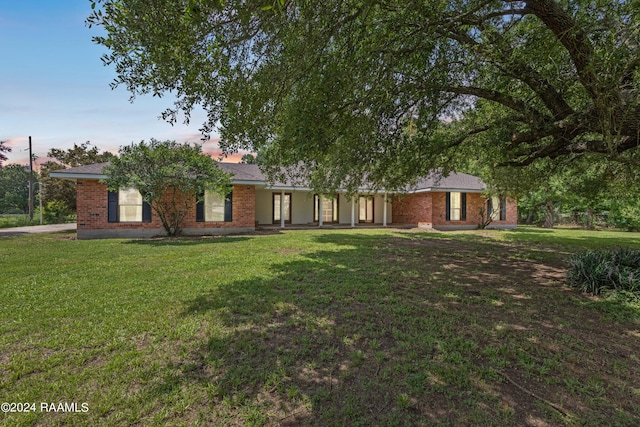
[(453, 182), (252, 175)]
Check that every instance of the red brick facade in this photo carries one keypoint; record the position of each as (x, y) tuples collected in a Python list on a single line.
[(412, 209), (428, 210), (92, 211)]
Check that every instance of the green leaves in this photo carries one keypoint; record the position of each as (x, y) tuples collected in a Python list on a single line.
[(598, 271), (168, 175), (333, 86)]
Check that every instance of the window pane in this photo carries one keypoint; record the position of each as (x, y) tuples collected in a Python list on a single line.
[(287, 207), (129, 196), (329, 206), (456, 202), (495, 207), (130, 213), (276, 207), (213, 206), (366, 209), (129, 205)]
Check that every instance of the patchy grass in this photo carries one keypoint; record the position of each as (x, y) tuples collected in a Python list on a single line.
[(339, 327)]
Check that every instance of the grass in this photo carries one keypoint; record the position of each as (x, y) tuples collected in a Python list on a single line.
[(337, 327), (21, 220)]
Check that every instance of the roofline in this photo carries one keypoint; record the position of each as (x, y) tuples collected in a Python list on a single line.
[(293, 188), (66, 175), (443, 189)]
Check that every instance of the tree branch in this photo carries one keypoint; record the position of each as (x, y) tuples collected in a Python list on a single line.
[(573, 38), (493, 95)]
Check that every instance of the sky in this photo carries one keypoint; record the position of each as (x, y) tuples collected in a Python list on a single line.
[(54, 87)]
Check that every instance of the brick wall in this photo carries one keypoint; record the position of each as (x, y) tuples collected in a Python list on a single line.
[(92, 211), (429, 210), (512, 214), (475, 202), (412, 209), (243, 211)]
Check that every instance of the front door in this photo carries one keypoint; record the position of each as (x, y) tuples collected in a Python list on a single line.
[(366, 209), (276, 208)]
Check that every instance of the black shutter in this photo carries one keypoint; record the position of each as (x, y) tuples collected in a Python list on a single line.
[(489, 207), (503, 211), (463, 214), (448, 206), (112, 206), (146, 212), (228, 217), (200, 208)]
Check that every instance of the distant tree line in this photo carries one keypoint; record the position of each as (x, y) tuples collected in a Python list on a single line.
[(58, 196)]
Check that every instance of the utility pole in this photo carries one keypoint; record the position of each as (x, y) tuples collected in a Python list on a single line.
[(30, 181)]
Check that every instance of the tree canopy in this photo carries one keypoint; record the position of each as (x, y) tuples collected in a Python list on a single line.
[(169, 176), (388, 90), (3, 149), (61, 191), (14, 189)]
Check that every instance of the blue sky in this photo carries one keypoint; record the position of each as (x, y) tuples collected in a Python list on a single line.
[(54, 87)]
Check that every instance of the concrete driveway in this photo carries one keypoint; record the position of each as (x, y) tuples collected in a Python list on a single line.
[(36, 229)]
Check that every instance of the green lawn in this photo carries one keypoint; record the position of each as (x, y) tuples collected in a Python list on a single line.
[(335, 327)]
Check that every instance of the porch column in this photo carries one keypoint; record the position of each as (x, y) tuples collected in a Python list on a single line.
[(384, 211), (353, 212), (320, 210), (282, 209)]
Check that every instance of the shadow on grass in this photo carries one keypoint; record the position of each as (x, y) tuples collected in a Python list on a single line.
[(384, 330)]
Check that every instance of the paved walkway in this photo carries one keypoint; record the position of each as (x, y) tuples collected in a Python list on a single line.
[(36, 229)]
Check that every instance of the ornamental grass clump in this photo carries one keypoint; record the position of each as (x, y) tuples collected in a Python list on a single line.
[(604, 270)]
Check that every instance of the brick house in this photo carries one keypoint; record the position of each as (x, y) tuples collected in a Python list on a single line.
[(445, 203)]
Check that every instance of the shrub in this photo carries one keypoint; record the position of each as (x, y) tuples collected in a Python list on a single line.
[(56, 211), (613, 269)]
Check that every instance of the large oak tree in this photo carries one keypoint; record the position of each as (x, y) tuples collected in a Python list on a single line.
[(388, 90)]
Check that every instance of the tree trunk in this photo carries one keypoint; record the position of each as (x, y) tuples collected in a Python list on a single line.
[(589, 219), (548, 214), (530, 217)]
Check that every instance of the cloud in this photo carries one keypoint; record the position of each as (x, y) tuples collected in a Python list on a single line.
[(16, 142)]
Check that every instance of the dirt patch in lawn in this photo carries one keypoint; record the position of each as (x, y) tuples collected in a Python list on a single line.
[(416, 329), (557, 354)]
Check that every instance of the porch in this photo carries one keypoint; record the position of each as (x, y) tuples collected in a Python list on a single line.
[(313, 226), (294, 208)]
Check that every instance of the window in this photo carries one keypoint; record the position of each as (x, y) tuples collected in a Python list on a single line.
[(329, 209), (456, 206), (365, 204), (276, 208), (497, 208), (214, 208), (129, 205), (126, 205)]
